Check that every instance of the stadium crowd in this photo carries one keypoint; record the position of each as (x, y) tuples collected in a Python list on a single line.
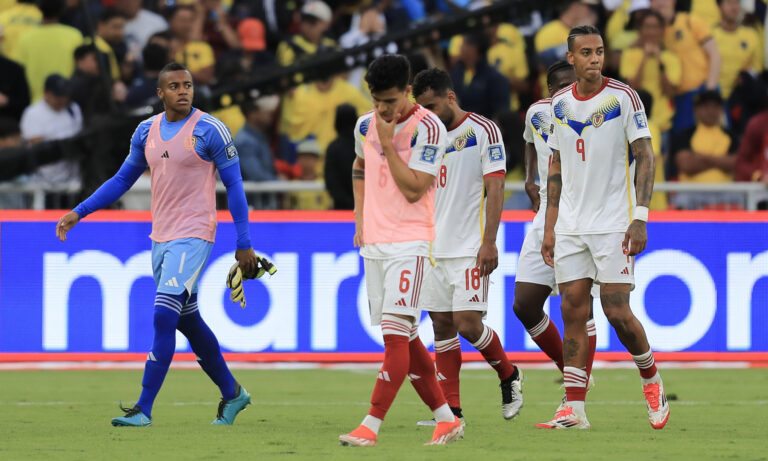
[(697, 64)]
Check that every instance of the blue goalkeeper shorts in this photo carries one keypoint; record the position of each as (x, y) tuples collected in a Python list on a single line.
[(177, 264)]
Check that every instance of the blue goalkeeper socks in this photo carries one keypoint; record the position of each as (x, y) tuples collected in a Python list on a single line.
[(206, 348), (167, 308)]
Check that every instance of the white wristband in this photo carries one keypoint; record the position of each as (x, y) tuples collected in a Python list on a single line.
[(641, 213)]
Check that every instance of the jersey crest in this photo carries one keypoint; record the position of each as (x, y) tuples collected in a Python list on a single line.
[(608, 109), (466, 139)]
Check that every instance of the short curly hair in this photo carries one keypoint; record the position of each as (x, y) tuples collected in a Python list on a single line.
[(433, 79)]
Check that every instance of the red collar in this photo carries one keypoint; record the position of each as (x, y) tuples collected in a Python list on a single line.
[(585, 98), (410, 112)]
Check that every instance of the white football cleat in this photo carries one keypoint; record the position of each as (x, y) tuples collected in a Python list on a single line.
[(566, 419), (658, 407), (564, 401), (512, 394)]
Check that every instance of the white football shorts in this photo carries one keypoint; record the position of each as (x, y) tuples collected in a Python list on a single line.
[(453, 285), (394, 285), (596, 256)]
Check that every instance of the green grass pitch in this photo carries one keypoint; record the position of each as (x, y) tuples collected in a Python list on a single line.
[(299, 414)]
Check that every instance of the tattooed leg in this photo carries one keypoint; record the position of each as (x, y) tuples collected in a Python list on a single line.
[(615, 300), (575, 307)]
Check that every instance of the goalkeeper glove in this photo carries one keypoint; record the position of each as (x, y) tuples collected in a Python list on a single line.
[(235, 284)]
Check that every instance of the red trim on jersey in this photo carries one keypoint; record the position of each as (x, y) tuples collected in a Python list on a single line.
[(410, 112), (567, 88), (587, 98), (457, 124), (630, 92), (433, 131), (496, 174), (487, 125), (546, 101)]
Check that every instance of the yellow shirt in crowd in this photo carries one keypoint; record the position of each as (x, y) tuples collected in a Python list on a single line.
[(286, 54), (551, 39), (45, 50), (16, 20), (663, 108), (313, 112), (710, 140), (685, 37), (706, 10), (741, 51), (196, 56), (114, 67)]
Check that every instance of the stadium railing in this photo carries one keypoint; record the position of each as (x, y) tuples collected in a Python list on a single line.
[(752, 193)]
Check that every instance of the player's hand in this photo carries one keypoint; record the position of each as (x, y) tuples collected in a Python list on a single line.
[(66, 223), (548, 248), (487, 258), (386, 130), (635, 238), (248, 262), (358, 239), (532, 189)]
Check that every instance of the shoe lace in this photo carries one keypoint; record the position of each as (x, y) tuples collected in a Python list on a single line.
[(567, 411), (651, 392), (135, 410)]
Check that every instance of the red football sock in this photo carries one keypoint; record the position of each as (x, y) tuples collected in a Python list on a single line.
[(546, 336), (646, 364), (448, 359), (490, 346), (392, 374), (592, 336), (422, 375)]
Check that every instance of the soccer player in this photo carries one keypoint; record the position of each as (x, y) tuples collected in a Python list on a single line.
[(182, 147), (456, 290), (594, 232), (399, 147), (535, 281)]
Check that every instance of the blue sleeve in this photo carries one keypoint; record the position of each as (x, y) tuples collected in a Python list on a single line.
[(238, 206), (138, 141), (111, 190), (214, 142), (415, 9)]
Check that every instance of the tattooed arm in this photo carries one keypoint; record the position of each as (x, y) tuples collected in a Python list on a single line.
[(358, 190), (554, 186), (636, 236)]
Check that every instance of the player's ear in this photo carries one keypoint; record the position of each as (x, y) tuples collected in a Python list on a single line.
[(569, 56)]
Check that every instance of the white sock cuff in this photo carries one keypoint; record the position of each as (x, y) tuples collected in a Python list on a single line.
[(393, 325), (574, 377), (445, 345), (373, 423), (540, 327), (485, 338), (414, 332), (644, 361), (591, 329)]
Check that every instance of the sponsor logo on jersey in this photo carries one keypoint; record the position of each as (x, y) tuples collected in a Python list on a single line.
[(429, 154), (495, 153), (640, 121), (165, 155), (190, 142), (231, 152)]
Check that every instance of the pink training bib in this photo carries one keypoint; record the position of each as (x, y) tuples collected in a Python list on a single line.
[(183, 185), (387, 216)]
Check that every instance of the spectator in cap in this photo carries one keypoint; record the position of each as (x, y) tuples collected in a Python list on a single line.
[(242, 63), (308, 158), (53, 117), (315, 20), (14, 92), (705, 154)]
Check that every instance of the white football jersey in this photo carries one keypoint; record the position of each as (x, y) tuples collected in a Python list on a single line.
[(537, 126), (475, 149), (593, 136)]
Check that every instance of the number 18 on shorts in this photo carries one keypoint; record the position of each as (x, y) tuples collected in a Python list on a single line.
[(394, 285)]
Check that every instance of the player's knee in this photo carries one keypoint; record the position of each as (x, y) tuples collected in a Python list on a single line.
[(526, 314), (620, 318), (470, 328), (165, 320), (443, 326)]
